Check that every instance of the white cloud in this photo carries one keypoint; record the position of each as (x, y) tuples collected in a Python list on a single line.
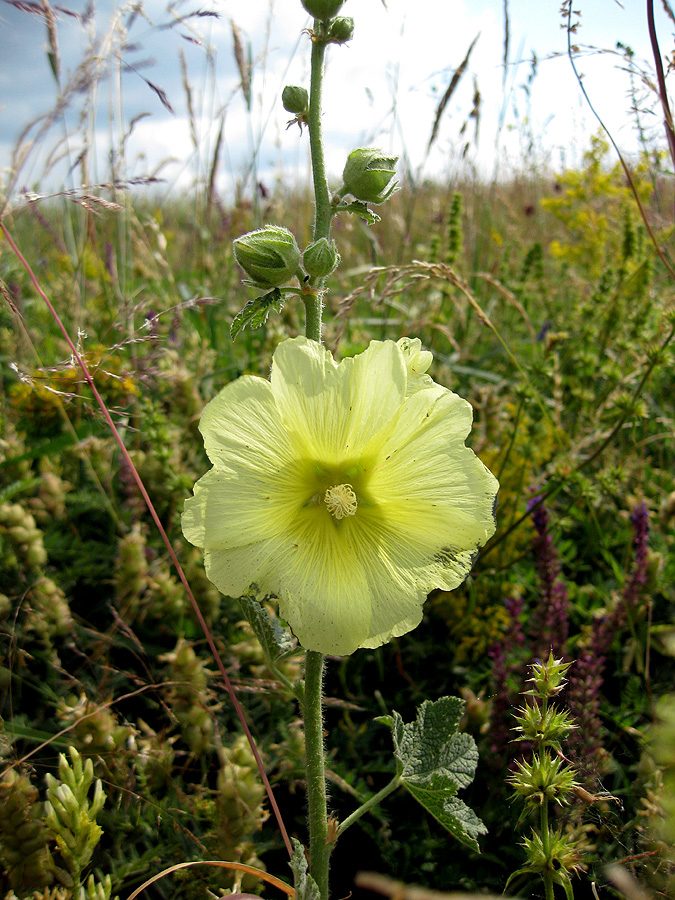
[(382, 88)]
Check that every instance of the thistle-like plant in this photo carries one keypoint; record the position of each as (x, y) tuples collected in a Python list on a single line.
[(545, 780)]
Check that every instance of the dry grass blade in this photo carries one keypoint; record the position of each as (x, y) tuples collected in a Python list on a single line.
[(397, 890), (668, 9), (624, 882), (37, 9), (52, 39), (241, 867), (663, 92), (188, 97), (452, 87), (161, 93), (242, 63), (507, 38)]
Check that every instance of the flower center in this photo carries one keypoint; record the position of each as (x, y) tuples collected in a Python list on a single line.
[(341, 501)]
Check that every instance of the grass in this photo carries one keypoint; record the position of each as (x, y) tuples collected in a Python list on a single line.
[(546, 304)]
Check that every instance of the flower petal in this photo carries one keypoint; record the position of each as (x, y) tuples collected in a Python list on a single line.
[(431, 487), (241, 425), (332, 410), (378, 426)]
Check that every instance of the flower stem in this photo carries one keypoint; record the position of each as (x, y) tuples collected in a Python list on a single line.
[(322, 213), (312, 701), (319, 848), (369, 804), (545, 839), (322, 207)]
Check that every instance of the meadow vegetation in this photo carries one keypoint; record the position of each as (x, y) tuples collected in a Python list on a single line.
[(546, 304)]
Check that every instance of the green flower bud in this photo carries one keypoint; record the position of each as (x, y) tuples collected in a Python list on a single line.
[(321, 258), (323, 9), (295, 99), (369, 175), (341, 30), (269, 256)]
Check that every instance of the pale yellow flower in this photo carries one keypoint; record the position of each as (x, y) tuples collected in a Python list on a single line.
[(345, 491)]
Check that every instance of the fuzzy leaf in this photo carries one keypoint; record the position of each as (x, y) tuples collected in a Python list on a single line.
[(435, 761), (305, 886), (256, 312), (361, 209), (275, 640)]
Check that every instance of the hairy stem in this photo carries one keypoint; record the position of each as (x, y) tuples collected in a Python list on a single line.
[(319, 848), (322, 206)]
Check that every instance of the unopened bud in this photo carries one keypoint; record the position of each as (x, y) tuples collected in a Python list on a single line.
[(295, 99), (321, 258), (269, 256), (369, 175), (341, 30), (323, 9)]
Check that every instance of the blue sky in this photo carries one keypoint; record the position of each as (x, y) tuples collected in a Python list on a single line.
[(382, 89)]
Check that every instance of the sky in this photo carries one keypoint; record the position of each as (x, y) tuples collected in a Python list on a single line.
[(382, 89)]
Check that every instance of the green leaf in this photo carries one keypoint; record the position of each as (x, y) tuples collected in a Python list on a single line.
[(435, 761), (305, 886), (361, 209), (275, 640), (256, 312)]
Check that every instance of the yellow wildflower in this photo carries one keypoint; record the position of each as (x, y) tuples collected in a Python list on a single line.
[(344, 490)]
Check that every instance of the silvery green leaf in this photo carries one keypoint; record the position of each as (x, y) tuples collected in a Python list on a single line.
[(305, 886), (434, 761)]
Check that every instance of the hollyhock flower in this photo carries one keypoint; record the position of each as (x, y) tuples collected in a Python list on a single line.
[(344, 490)]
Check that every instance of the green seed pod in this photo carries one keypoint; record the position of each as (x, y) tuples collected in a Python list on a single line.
[(341, 30), (323, 9), (369, 175), (269, 256), (321, 258), (295, 99)]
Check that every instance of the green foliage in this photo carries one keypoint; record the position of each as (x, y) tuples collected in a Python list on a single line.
[(305, 886), (96, 633), (434, 761), (256, 312)]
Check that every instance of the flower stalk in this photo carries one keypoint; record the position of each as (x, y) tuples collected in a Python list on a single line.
[(546, 779), (319, 849), (319, 846), (322, 207)]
